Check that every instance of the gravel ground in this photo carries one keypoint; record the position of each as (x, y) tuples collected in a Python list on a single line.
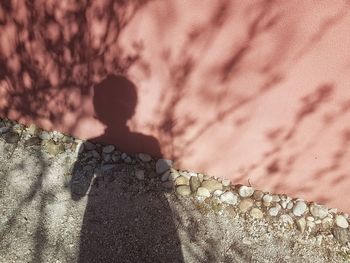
[(65, 200)]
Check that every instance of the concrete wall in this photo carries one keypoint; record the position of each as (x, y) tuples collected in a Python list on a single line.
[(247, 90)]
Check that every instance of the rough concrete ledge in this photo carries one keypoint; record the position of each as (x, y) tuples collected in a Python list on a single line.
[(67, 200)]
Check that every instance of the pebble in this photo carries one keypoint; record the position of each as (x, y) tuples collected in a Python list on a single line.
[(140, 174), (319, 211), (299, 208), (228, 198), (212, 185), (163, 165), (115, 158), (194, 183), (273, 211), (256, 213), (106, 157), (173, 174), (267, 198), (201, 191), (108, 149), (258, 195), (310, 218), (124, 156), (286, 219), (246, 191), (276, 198), (301, 224), (107, 167), (11, 137), (4, 129), (341, 221), (327, 222), (182, 181), (341, 234), (168, 184), (54, 149), (245, 204), (226, 182), (200, 177), (32, 141), (87, 145), (218, 192), (311, 225), (290, 205), (165, 176), (144, 157), (183, 190), (95, 154), (128, 159), (284, 204)]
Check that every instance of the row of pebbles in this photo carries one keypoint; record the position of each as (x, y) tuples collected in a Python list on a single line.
[(305, 216)]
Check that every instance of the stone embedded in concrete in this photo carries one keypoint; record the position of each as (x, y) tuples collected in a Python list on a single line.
[(228, 198), (212, 185), (319, 211), (204, 192), (183, 190), (299, 208), (246, 191), (245, 204), (163, 165), (341, 221)]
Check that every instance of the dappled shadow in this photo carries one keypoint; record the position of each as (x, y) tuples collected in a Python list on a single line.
[(51, 53), (126, 219)]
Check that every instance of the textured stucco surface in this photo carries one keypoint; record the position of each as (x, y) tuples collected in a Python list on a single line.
[(256, 90)]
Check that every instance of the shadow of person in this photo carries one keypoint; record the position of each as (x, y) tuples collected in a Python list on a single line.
[(126, 219)]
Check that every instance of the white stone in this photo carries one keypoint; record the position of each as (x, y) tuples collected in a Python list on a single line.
[(299, 208), (191, 174), (229, 198), (284, 204), (341, 221), (267, 198), (319, 211), (310, 224), (276, 198), (124, 156), (108, 149), (273, 211), (201, 191), (246, 191), (144, 157), (256, 213), (290, 205), (46, 136), (163, 165), (140, 174), (286, 219), (218, 192)]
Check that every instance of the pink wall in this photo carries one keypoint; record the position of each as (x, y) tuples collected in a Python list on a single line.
[(256, 90)]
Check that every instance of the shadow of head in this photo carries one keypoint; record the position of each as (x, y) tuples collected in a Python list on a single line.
[(117, 93)]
